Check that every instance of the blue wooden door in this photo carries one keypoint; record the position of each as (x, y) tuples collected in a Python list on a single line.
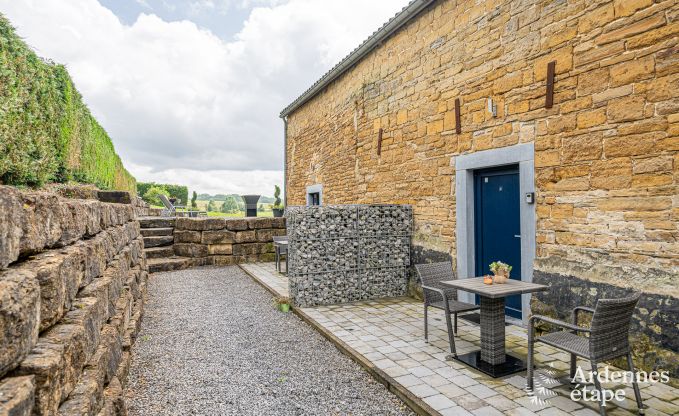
[(497, 225)]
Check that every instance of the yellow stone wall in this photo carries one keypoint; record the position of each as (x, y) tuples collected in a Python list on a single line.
[(606, 154)]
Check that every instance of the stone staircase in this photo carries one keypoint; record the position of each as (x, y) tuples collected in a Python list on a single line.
[(158, 233)]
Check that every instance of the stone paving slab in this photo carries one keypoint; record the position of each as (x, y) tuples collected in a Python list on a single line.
[(388, 335)]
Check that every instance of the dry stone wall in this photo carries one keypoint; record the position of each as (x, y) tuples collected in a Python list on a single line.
[(345, 253), (606, 153), (226, 241), (72, 283)]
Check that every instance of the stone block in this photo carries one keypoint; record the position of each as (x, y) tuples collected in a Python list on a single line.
[(224, 260), (157, 222), (17, 396), (220, 249), (59, 274), (626, 109), (264, 236), (19, 316), (115, 197), (218, 237), (74, 356), (259, 223), (239, 224), (124, 368), (90, 313), (187, 236), (73, 222), (278, 222), (46, 365), (11, 220), (92, 213), (114, 399), (200, 224), (191, 250), (249, 236), (160, 241), (42, 224)]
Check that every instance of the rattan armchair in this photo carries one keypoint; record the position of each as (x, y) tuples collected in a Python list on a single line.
[(607, 338), (439, 296)]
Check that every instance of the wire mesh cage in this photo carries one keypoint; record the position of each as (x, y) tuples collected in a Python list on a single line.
[(344, 253)]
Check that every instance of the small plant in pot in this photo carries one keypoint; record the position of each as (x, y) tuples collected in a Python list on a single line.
[(277, 206), (501, 271), (282, 304)]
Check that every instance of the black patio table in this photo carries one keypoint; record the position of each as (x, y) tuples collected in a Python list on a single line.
[(492, 359)]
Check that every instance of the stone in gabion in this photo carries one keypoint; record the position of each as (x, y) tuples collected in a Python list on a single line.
[(384, 220), (384, 251), (322, 222)]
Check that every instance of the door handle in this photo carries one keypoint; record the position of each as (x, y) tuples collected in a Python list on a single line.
[(517, 235)]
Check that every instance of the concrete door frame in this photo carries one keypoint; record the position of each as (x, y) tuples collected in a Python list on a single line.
[(465, 165)]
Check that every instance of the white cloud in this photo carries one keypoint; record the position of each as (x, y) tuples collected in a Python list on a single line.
[(181, 103)]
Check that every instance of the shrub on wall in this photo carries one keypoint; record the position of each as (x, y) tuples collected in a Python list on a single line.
[(176, 191), (47, 133)]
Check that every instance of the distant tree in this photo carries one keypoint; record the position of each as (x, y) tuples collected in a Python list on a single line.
[(277, 195), (211, 206), (229, 206), (194, 197), (152, 195)]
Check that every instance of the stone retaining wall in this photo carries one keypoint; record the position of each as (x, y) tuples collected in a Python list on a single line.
[(72, 282), (345, 253), (226, 241)]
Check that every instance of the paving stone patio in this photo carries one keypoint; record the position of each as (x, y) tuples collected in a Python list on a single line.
[(389, 334)]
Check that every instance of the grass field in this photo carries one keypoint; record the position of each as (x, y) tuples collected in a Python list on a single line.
[(202, 206)]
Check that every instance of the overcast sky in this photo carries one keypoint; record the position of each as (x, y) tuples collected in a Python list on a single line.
[(190, 90)]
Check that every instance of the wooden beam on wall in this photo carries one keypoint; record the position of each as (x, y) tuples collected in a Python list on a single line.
[(458, 124), (549, 99)]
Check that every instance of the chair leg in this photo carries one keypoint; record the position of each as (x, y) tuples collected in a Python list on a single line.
[(637, 392), (451, 337), (574, 362), (597, 385), (426, 324), (455, 324), (529, 365)]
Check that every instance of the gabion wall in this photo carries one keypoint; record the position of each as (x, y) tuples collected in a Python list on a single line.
[(345, 253)]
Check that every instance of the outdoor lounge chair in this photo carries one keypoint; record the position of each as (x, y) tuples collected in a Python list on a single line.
[(608, 339), (435, 293), (170, 210)]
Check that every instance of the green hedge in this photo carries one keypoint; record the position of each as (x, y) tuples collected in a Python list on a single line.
[(177, 191), (47, 133)]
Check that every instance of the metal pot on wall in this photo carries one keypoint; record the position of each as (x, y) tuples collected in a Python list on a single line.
[(278, 212), (250, 204)]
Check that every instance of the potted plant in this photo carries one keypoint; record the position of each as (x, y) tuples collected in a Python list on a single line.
[(282, 304), (277, 206), (501, 271)]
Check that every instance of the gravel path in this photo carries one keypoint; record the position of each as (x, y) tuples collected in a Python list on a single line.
[(212, 344)]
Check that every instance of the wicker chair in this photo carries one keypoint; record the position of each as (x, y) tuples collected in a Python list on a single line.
[(281, 250), (608, 339), (435, 292)]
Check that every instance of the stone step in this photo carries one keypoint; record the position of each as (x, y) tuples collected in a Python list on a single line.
[(163, 240), (167, 264), (156, 222), (157, 252), (154, 232)]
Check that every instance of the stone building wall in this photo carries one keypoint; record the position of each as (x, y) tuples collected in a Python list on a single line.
[(606, 153), (226, 241), (72, 283)]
